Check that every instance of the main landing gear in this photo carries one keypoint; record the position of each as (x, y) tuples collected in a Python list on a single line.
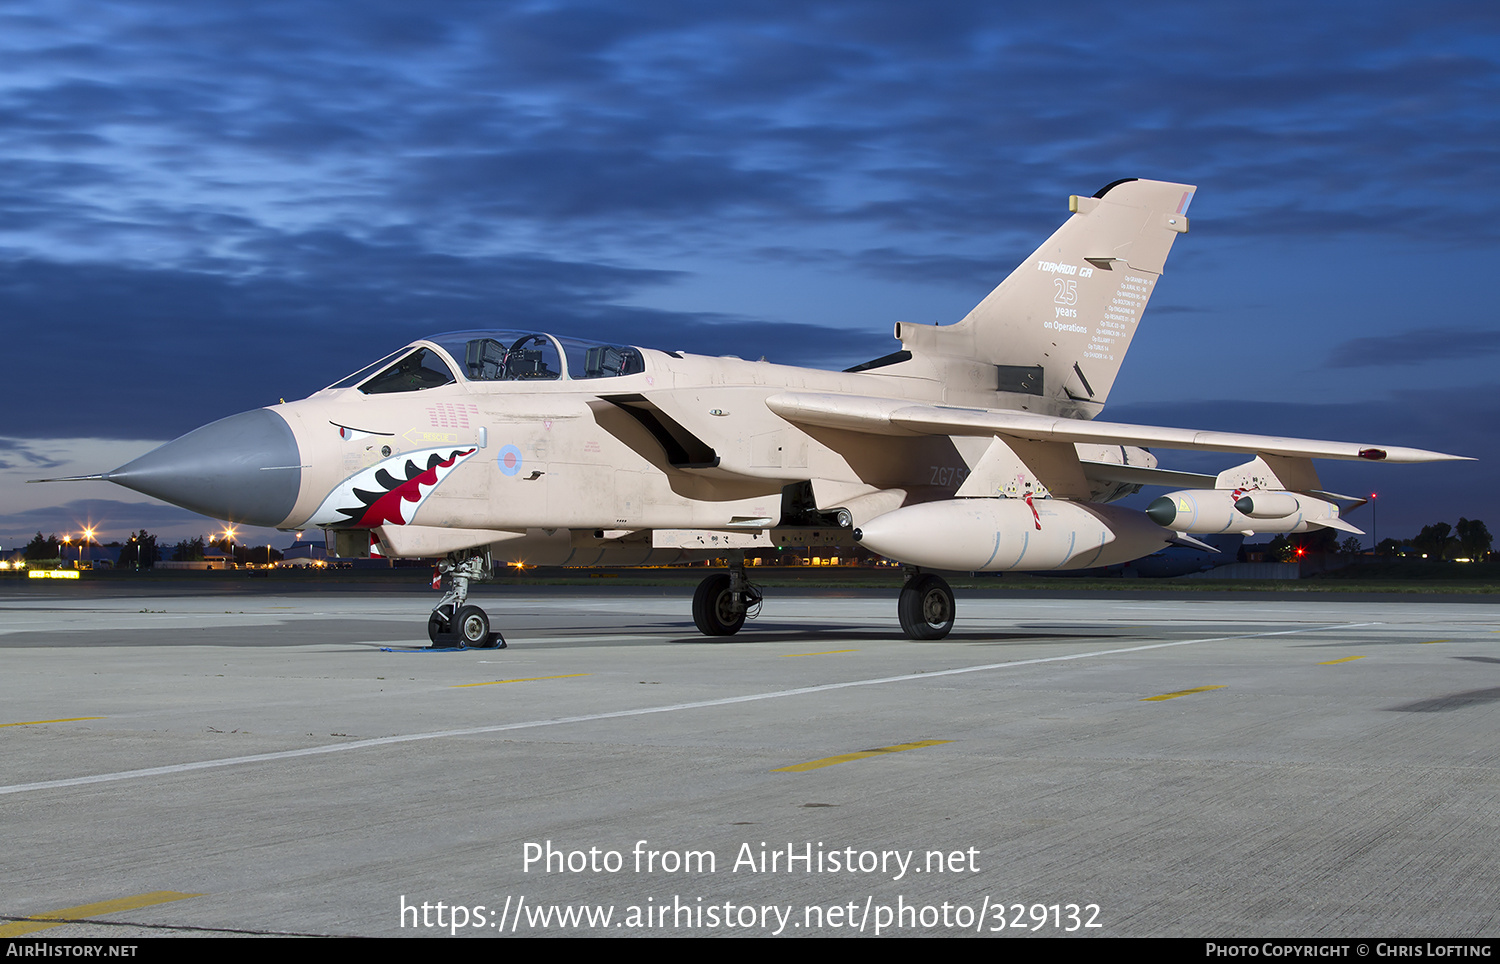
[(925, 606), (724, 600), (454, 624)]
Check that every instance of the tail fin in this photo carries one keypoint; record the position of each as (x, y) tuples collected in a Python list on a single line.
[(1057, 329)]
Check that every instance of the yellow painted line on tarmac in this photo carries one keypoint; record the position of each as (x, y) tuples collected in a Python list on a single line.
[(829, 761), (71, 719), (827, 652), (529, 679), (1429, 642), (1173, 696), (57, 918), (1346, 659)]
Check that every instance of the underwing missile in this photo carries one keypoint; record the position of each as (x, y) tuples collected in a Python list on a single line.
[(1207, 511)]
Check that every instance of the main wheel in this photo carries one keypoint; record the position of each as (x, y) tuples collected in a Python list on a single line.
[(926, 607), (472, 626), (714, 609), (440, 626)]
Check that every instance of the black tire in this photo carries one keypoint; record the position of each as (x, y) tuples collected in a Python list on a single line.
[(440, 626), (926, 607), (471, 627), (714, 607)]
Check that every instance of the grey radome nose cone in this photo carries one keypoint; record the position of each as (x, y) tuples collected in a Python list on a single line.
[(1162, 512), (244, 468)]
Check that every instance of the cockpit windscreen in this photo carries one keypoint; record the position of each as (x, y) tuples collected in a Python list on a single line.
[(494, 356)]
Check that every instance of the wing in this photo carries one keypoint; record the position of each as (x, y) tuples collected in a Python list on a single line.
[(886, 416)]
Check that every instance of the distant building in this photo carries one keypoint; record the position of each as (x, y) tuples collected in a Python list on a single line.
[(217, 558), (302, 553)]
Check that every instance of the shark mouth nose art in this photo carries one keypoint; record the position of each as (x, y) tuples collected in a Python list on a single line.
[(378, 495)]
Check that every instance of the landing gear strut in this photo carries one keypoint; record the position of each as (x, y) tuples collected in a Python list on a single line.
[(723, 600), (925, 606), (453, 623)]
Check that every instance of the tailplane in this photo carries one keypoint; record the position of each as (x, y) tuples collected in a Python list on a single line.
[(1058, 328)]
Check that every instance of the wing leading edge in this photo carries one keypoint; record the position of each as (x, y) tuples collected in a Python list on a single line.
[(884, 416)]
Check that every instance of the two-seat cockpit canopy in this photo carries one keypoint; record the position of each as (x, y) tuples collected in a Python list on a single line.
[(493, 356)]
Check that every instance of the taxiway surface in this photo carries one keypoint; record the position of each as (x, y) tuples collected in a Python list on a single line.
[(205, 764)]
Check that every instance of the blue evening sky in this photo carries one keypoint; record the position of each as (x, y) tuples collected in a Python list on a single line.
[(208, 206)]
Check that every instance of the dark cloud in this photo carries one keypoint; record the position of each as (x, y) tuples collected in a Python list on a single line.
[(979, 274), (976, 272), (131, 344), (24, 454), (570, 182), (1414, 347), (914, 120)]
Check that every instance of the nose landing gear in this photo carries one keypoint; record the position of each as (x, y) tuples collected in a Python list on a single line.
[(454, 624)]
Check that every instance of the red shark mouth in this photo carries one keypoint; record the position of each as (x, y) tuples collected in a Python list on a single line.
[(389, 504)]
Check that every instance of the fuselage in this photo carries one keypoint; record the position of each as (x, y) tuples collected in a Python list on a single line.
[(508, 432), (685, 442)]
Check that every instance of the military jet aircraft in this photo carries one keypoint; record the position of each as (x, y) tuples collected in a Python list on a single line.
[(973, 447)]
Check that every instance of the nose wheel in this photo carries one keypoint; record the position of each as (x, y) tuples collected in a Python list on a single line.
[(468, 629), (454, 624)]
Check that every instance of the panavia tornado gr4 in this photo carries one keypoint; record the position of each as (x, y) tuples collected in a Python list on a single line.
[(973, 447)]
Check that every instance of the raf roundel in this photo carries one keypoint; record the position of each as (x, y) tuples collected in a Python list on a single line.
[(509, 459)]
